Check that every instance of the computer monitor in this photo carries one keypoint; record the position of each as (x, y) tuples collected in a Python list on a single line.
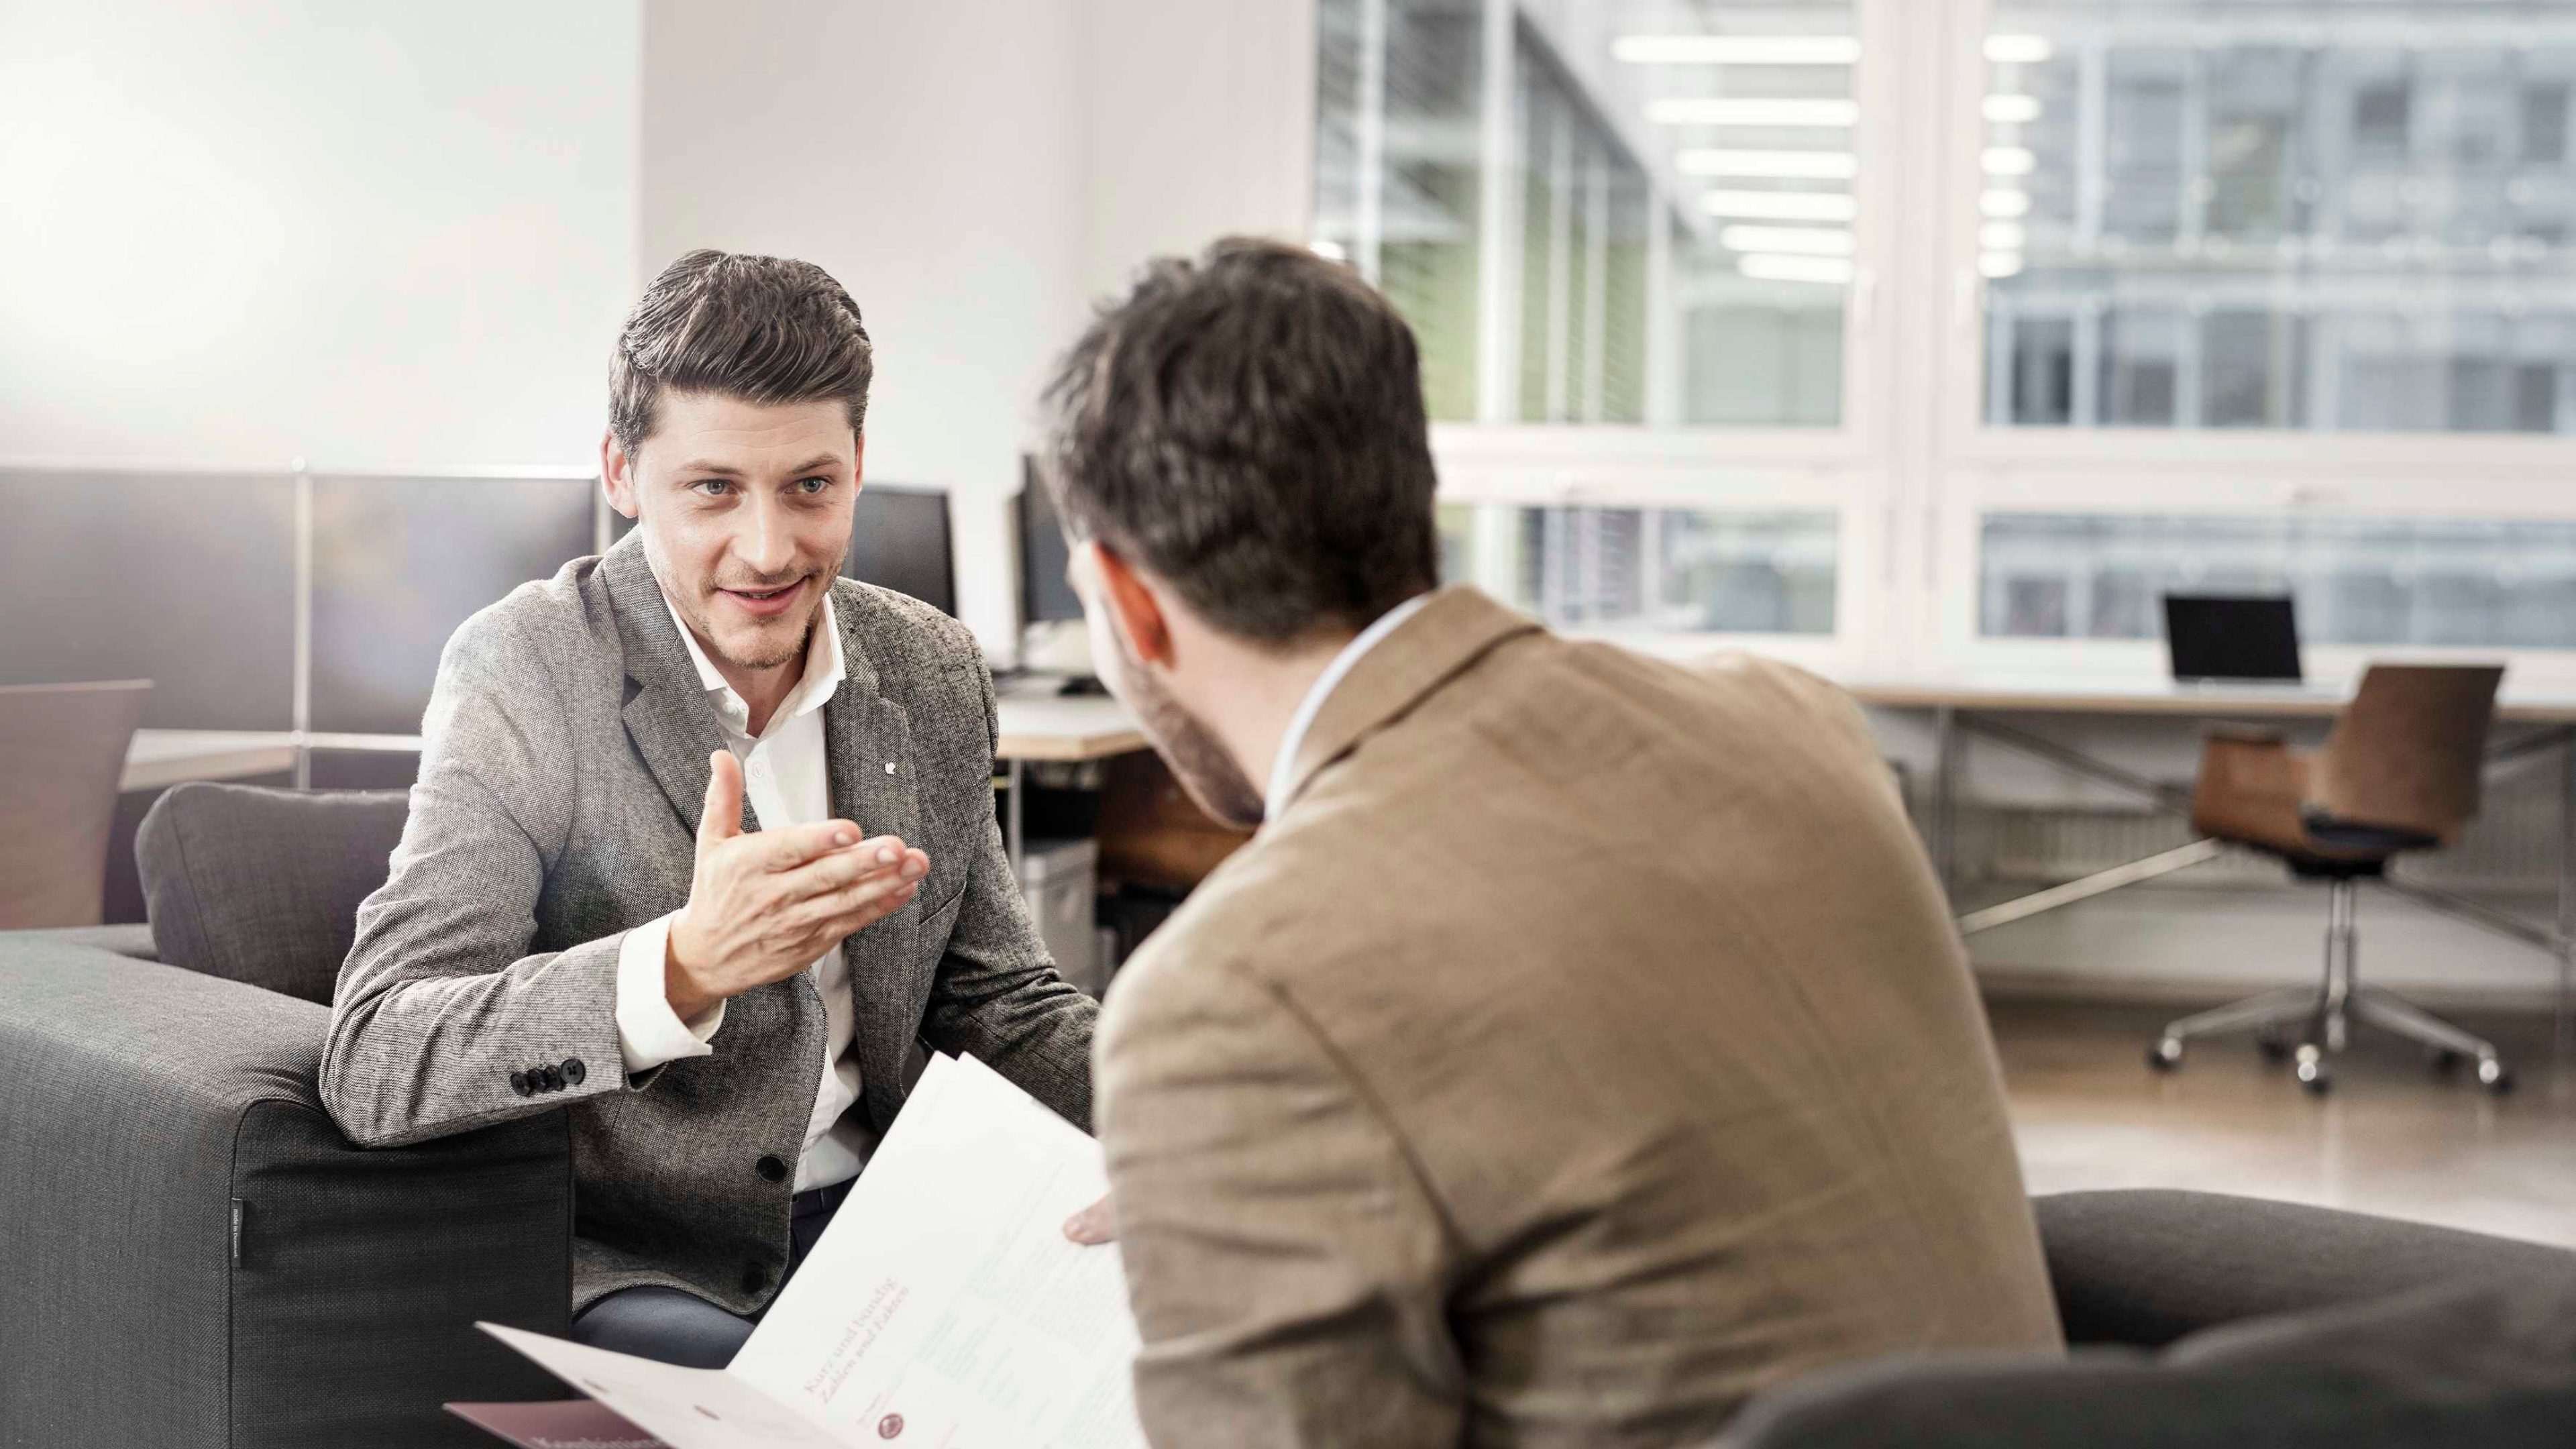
[(1046, 596), (2212, 636), (399, 563), (899, 540), (185, 579)]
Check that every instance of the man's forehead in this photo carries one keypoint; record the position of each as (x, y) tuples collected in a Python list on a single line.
[(712, 433)]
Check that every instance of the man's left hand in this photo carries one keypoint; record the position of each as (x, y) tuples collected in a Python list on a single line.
[(1093, 1225)]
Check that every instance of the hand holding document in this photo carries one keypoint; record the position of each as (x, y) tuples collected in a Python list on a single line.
[(944, 1305)]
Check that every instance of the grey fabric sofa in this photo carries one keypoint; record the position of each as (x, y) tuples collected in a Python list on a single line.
[(2197, 1319), (190, 1252), (192, 1255)]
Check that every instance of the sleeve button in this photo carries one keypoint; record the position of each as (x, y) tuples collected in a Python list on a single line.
[(772, 1169), (519, 1084), (574, 1071)]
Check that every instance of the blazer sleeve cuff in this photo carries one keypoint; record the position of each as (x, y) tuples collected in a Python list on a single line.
[(649, 1032)]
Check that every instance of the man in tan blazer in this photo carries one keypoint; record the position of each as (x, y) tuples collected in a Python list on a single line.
[(1582, 1043)]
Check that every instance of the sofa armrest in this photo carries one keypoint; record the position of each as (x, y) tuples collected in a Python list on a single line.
[(177, 1202), (133, 942), (2146, 1267)]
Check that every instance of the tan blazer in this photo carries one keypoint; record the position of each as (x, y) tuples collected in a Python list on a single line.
[(1584, 1046)]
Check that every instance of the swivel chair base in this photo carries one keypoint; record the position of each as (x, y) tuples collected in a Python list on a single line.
[(2328, 1013)]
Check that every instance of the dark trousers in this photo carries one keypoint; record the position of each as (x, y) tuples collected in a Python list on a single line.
[(669, 1326)]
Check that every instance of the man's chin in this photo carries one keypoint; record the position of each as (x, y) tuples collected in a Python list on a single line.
[(758, 645)]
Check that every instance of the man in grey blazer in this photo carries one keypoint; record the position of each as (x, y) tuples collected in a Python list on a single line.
[(703, 840)]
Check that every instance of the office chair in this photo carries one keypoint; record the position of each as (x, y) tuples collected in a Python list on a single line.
[(2400, 772), (62, 751)]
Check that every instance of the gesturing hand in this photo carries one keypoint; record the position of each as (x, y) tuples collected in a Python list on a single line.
[(762, 907)]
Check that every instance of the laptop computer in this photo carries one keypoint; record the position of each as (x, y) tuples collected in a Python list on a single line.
[(2232, 637)]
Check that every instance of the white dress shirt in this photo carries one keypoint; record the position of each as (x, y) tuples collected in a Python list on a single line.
[(789, 781), (1283, 764)]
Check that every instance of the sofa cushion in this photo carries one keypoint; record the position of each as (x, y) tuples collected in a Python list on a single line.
[(262, 885), (2488, 1362), (2146, 1267)]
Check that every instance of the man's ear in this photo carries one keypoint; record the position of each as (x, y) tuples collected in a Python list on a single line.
[(617, 473), (1134, 611)]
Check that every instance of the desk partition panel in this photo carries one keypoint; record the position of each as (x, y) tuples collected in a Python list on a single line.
[(267, 602), (399, 563), (187, 580)]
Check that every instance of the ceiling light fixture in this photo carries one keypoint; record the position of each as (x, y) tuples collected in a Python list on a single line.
[(2012, 110), (2004, 204), (1768, 268), (1797, 165), (1780, 205), (2008, 161), (2002, 236), (1736, 49), (2018, 49), (1698, 111), (1998, 265), (1799, 240)]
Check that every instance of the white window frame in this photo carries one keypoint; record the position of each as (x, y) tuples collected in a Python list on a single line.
[(1838, 468), (1913, 466), (2267, 473)]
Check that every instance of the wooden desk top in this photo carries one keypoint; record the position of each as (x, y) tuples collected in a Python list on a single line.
[(1064, 727), (158, 759), (1033, 727), (2024, 695)]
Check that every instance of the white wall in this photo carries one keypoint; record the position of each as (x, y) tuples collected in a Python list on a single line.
[(1200, 123), (369, 235), (929, 157), (976, 174)]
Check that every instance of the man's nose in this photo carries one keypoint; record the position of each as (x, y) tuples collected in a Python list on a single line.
[(767, 545)]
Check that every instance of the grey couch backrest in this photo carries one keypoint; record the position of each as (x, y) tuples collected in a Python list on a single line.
[(263, 886)]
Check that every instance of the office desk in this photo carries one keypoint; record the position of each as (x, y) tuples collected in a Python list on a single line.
[(1965, 705), (1040, 724), (1032, 726), (159, 759)]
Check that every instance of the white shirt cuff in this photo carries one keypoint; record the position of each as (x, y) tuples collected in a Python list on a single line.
[(649, 1032)]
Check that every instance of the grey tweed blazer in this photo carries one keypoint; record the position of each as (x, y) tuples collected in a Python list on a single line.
[(563, 769)]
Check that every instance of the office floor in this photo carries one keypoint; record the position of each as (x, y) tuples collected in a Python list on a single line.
[(2390, 1138)]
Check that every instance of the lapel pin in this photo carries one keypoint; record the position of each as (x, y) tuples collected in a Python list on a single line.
[(889, 767)]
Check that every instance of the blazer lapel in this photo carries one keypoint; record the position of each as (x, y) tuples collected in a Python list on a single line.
[(667, 714), (869, 741)]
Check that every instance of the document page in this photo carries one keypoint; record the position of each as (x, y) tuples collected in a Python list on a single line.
[(943, 1306), (953, 1294)]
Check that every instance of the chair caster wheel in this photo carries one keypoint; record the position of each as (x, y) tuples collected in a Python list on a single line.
[(2312, 1072), (2275, 1051), (2442, 1061), (2494, 1076), (2165, 1055)]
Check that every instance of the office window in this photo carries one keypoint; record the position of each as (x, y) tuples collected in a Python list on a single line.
[(2500, 584), (1671, 241), (1397, 182), (1649, 570), (2345, 215)]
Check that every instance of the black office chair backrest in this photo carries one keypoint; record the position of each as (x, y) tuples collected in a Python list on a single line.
[(2408, 753)]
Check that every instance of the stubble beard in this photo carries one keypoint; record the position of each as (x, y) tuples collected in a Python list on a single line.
[(1198, 760)]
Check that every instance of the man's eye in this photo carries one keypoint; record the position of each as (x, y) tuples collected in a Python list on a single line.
[(713, 487), (811, 486)]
